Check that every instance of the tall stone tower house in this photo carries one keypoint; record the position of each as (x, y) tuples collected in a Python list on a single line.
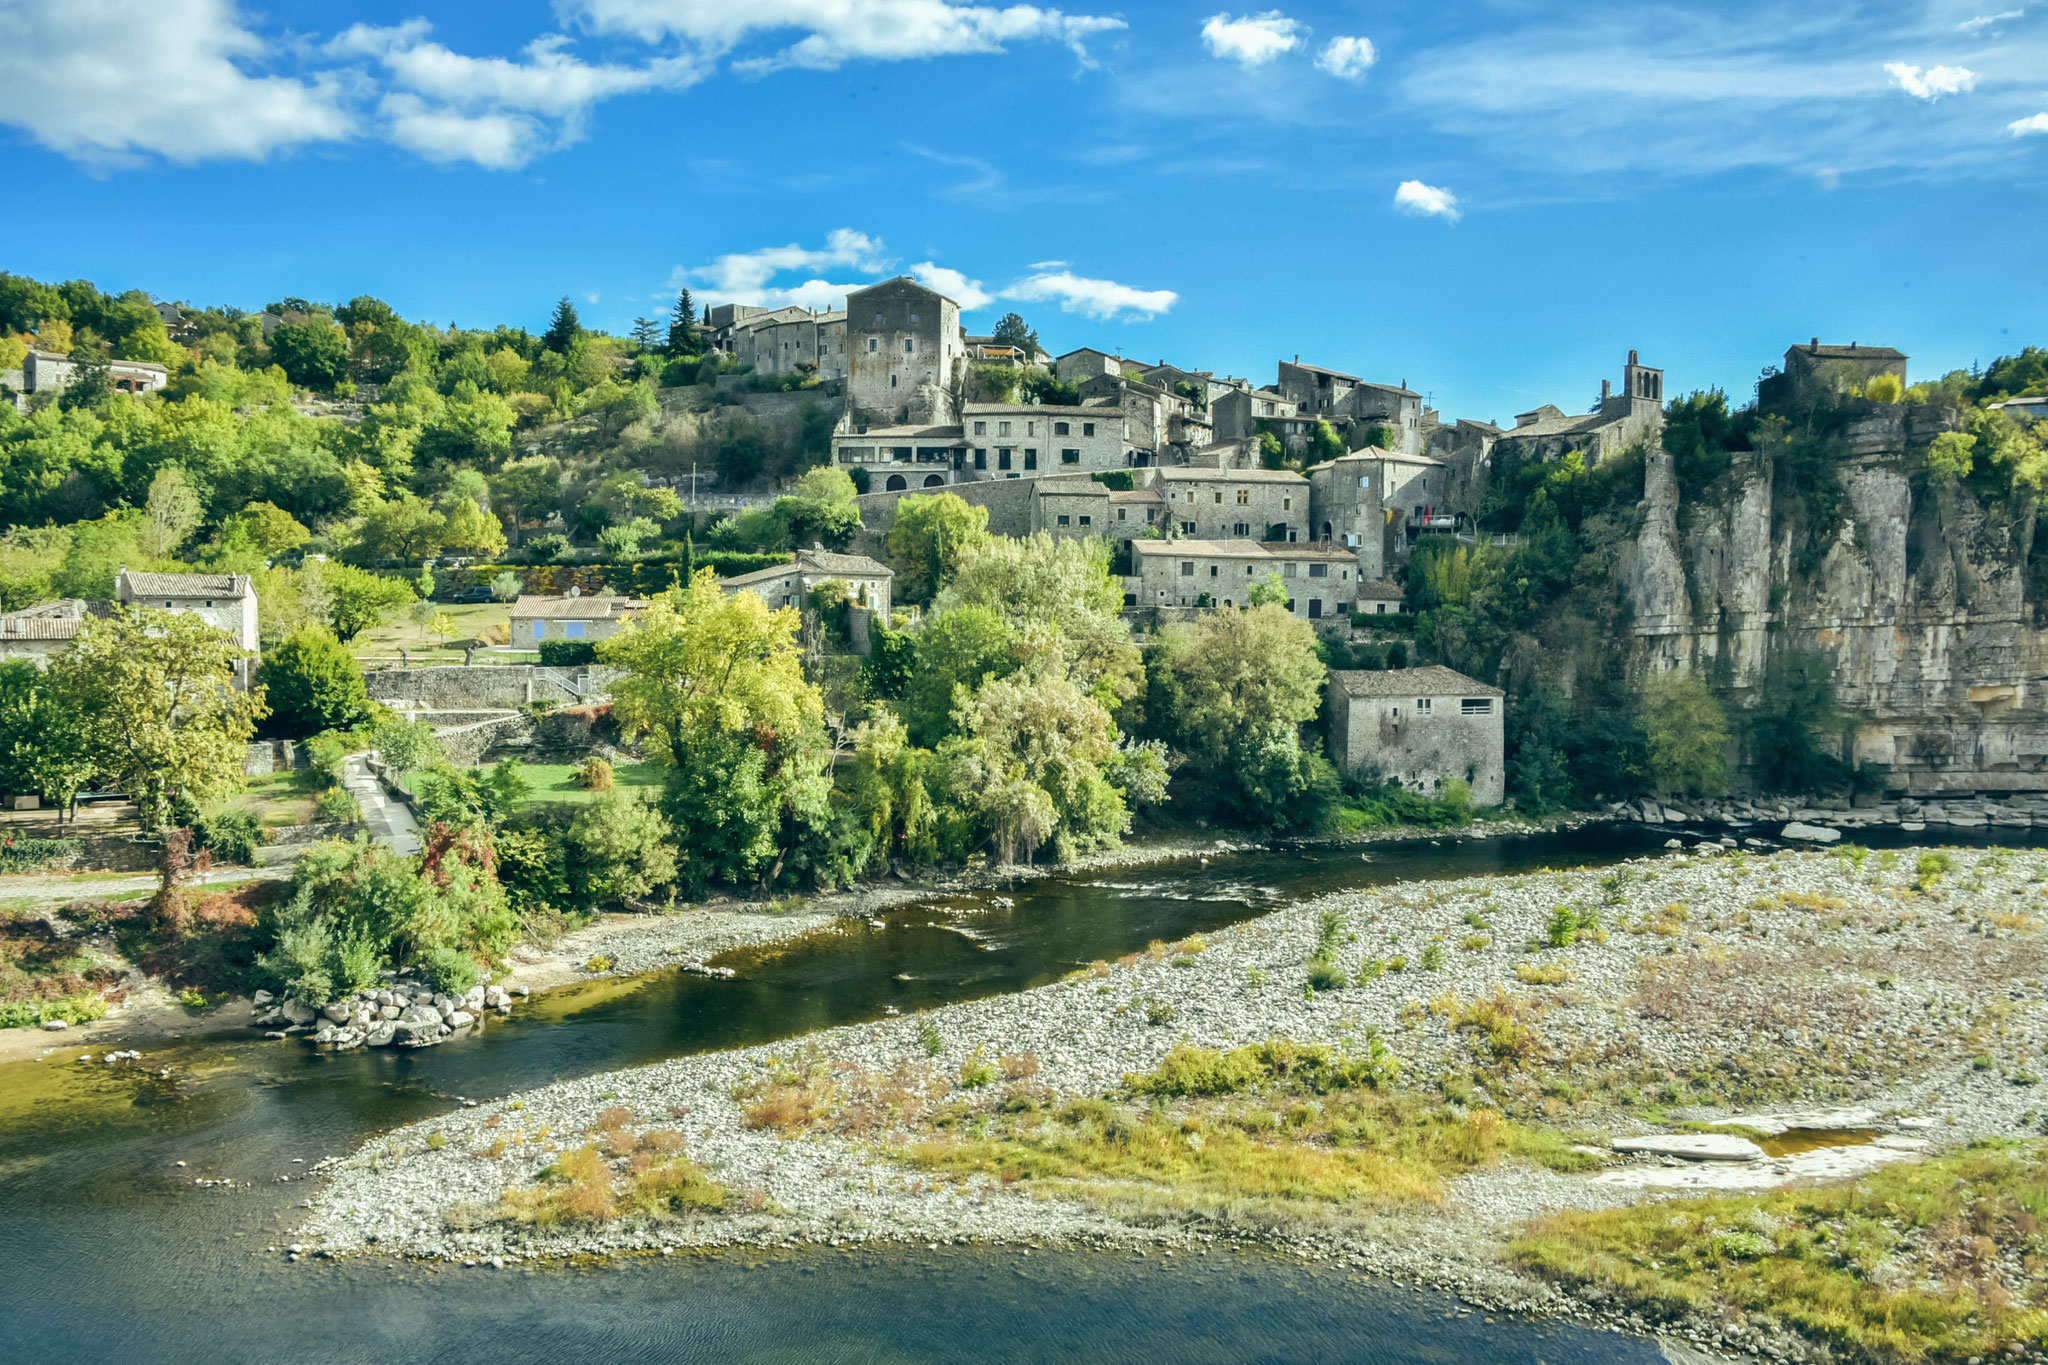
[(906, 352)]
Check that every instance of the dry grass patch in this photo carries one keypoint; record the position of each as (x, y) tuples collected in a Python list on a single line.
[(620, 1174)]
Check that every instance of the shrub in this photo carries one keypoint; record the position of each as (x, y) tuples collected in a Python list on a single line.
[(595, 775), (977, 1072), (81, 1008), (1432, 957), (1189, 1071), (312, 684), (616, 848), (33, 855), (232, 836), (1326, 976), (449, 970), (335, 806), (407, 745), (567, 653)]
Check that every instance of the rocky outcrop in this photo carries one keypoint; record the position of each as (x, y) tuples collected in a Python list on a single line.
[(405, 1013), (1920, 597)]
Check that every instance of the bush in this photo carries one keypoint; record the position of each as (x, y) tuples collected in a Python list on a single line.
[(312, 684), (448, 971), (232, 836), (82, 1008), (336, 807), (617, 848), (595, 775), (34, 855), (407, 745), (567, 653)]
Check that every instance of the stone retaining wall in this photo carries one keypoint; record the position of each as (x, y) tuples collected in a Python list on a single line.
[(483, 687)]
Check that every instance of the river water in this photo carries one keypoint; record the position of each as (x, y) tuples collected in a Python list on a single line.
[(110, 1252)]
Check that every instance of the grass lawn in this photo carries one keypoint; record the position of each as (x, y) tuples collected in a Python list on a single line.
[(471, 619), (279, 799), (555, 783)]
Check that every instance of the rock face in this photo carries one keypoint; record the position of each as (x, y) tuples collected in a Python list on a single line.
[(1920, 596)]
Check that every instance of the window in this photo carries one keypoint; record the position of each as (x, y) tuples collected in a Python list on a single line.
[(1030, 459), (1087, 428), (1070, 457), (1060, 428), (981, 428), (572, 630), (1244, 497), (540, 630), (1002, 428), (1120, 514), (1287, 569), (1365, 480), (1382, 609), (1219, 497), (1187, 568), (1187, 528), (1315, 608), (1087, 520), (1287, 504), (1212, 571), (1318, 571), (1031, 428), (913, 317), (878, 319), (1422, 706), (1003, 458), (892, 381), (908, 345), (1064, 519), (1241, 528), (1476, 706), (981, 457), (874, 343)]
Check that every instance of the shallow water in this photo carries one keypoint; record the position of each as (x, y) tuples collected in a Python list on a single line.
[(112, 1253)]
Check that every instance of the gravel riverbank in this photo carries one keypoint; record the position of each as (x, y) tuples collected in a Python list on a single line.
[(1726, 985)]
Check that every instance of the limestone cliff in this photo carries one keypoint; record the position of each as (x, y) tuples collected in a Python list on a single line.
[(1921, 597)]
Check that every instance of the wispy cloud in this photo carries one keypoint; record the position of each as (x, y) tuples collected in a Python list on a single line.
[(1987, 21), (1932, 83), (1102, 300), (836, 32), (1253, 39), (747, 276), (1348, 58), (1426, 201), (2023, 127)]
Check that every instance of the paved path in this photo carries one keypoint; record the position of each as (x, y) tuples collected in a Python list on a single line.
[(389, 821)]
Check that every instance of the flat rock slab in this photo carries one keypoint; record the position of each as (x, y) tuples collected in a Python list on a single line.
[(1826, 1163), (1694, 1147), (1817, 1121), (1813, 834)]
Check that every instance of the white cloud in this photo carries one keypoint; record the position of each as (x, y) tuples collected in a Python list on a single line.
[(1426, 201), (1349, 58), (746, 276), (494, 111), (1101, 300), (1932, 83), (2021, 127), (1984, 21), (969, 294), (840, 31), (111, 81), (1252, 40)]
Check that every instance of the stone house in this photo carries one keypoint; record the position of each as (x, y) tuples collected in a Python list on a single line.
[(576, 617), (1074, 505), (1086, 363), (37, 632), (1381, 598), (907, 351), (1331, 394), (1321, 580), (1814, 368), (1014, 439), (47, 371), (788, 585), (1236, 414), (1420, 727), (786, 340), (226, 601), (903, 457), (1633, 416), (1368, 501), (1235, 504)]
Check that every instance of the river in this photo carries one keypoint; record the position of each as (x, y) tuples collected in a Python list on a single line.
[(112, 1252)]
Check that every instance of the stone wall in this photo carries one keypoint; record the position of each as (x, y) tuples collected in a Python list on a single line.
[(1008, 502), (483, 687)]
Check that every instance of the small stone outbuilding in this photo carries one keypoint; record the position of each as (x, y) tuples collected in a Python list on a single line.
[(1420, 727)]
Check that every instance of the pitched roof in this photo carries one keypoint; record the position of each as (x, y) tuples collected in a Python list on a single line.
[(1432, 680), (826, 561), (756, 577), (1382, 592), (1135, 495), (1375, 455), (597, 607), (945, 434), (1849, 352), (184, 584), (39, 628), (1231, 475), (1246, 549)]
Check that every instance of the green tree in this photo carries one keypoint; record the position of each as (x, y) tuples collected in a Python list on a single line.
[(1066, 584), (404, 528), (362, 600), (1794, 726), (1012, 330), (268, 528), (617, 848), (565, 329), (528, 489), (646, 334), (1687, 733), (682, 326), (957, 649), (44, 743), (1273, 591), (930, 533), (312, 683), (174, 513), (155, 690), (311, 354)]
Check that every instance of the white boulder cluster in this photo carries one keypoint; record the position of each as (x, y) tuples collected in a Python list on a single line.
[(405, 1013)]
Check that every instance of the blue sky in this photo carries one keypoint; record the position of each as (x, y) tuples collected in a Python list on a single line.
[(1492, 201)]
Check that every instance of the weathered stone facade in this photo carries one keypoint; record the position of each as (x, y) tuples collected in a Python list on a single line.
[(907, 350), (1422, 728), (1235, 504)]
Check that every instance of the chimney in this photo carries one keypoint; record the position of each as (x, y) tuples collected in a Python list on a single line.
[(1816, 343), (1297, 357), (1606, 390)]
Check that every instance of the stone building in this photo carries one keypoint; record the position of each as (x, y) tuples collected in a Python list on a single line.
[(1420, 727), (224, 600), (907, 354), (1814, 369), (1381, 599), (1017, 438), (1633, 416), (1321, 580), (789, 341), (1234, 504), (37, 632), (1236, 414), (1370, 500), (788, 585), (595, 617), (1332, 395), (47, 371), (897, 458), (1086, 363)]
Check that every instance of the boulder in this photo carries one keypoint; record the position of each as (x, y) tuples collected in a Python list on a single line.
[(381, 1034), (418, 1034), (1694, 1147), (1812, 834), (420, 1015), (298, 1012), (262, 998), (494, 997), (55, 1025), (461, 1019), (338, 1012), (390, 1011)]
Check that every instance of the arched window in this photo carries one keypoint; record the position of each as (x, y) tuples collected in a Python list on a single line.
[(896, 484), (934, 481), (1328, 531)]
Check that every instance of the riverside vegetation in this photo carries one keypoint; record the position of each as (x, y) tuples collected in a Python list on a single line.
[(1444, 1114)]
